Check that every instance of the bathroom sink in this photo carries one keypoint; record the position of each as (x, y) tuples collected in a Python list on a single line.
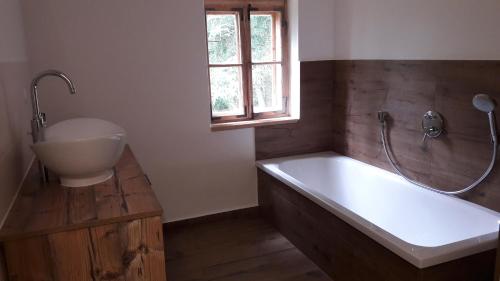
[(81, 151)]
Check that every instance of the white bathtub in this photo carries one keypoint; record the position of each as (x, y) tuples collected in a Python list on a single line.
[(423, 227)]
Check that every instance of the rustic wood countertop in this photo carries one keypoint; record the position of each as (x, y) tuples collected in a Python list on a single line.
[(42, 209)]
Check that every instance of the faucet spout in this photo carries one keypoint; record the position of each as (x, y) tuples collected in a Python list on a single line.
[(38, 123), (34, 88)]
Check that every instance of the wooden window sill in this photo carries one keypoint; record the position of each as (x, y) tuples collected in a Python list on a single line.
[(253, 123)]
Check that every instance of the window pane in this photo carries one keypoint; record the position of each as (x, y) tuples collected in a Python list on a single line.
[(223, 39), (266, 38), (226, 89), (267, 88)]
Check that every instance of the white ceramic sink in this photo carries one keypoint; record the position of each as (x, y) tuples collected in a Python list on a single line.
[(81, 151)]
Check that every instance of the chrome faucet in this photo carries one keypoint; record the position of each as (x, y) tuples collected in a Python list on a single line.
[(39, 121)]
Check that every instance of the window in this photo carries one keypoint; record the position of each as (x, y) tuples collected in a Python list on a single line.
[(247, 58)]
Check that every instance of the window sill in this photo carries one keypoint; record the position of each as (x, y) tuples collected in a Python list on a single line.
[(253, 123)]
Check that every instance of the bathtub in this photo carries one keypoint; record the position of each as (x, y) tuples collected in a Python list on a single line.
[(422, 227)]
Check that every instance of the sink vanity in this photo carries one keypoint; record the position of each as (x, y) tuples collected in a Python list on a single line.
[(95, 217), (108, 231)]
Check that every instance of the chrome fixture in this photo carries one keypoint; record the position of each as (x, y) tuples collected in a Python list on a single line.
[(485, 104), (39, 121), (432, 125)]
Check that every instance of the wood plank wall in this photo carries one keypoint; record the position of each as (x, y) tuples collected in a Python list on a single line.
[(343, 97), (314, 132)]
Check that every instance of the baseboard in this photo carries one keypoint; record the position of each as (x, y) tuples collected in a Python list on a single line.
[(14, 198), (252, 212)]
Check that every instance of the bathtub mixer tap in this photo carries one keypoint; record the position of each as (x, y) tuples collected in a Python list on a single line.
[(433, 126), (39, 121)]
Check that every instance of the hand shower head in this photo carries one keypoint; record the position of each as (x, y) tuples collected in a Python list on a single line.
[(484, 103)]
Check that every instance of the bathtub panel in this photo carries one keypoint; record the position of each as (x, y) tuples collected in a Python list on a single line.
[(347, 254), (331, 243), (422, 227), (497, 271)]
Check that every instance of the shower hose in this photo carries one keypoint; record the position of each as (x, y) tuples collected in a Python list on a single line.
[(456, 192)]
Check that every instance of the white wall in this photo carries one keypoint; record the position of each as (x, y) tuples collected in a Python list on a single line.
[(316, 29), (15, 112), (293, 30), (399, 29), (423, 29), (143, 65), (12, 45)]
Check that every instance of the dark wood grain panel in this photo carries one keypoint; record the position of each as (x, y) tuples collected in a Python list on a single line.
[(42, 209), (345, 96), (347, 254), (497, 271), (407, 89), (313, 133)]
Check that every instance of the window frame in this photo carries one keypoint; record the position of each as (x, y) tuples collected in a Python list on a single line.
[(245, 8)]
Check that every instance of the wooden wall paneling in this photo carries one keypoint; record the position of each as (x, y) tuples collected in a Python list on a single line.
[(407, 89), (313, 133), (339, 105), (497, 271)]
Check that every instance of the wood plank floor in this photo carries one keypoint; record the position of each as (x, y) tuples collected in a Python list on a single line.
[(235, 249)]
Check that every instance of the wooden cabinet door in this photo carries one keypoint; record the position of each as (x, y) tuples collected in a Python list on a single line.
[(129, 251)]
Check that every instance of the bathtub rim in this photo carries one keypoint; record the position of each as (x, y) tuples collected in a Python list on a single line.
[(419, 256)]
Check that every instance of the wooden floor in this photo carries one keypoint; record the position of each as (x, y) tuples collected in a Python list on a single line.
[(235, 249)]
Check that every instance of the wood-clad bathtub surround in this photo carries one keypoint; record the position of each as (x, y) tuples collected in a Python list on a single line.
[(406, 90), (497, 271), (347, 254), (109, 231)]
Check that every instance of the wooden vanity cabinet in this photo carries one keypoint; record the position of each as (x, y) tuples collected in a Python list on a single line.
[(110, 231)]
